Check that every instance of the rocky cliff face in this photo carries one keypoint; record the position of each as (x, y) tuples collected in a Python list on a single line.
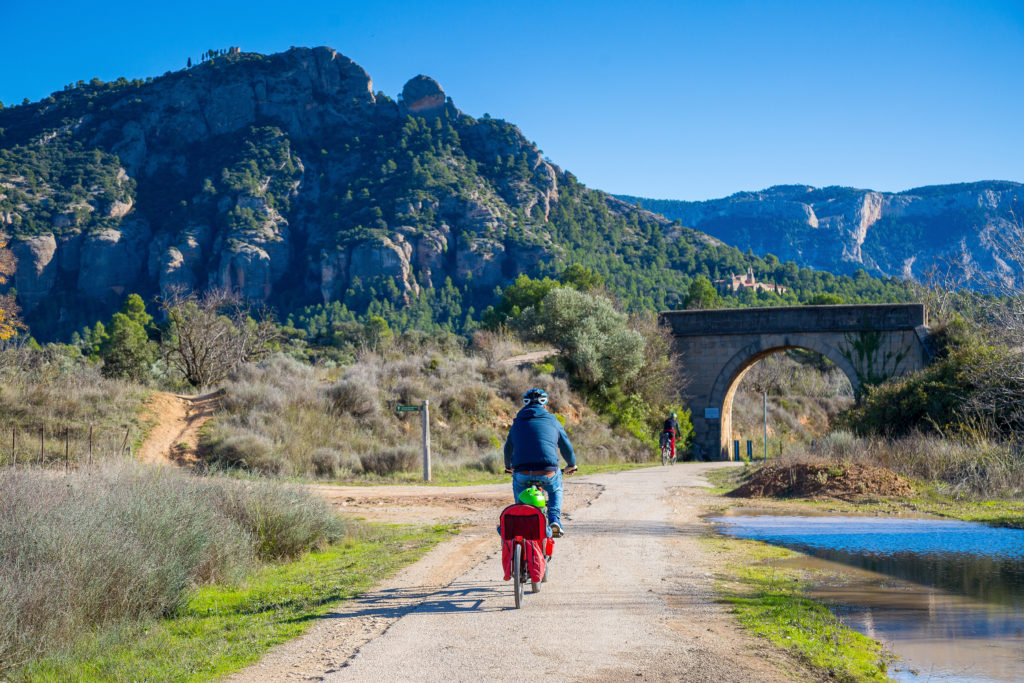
[(902, 234), (281, 176)]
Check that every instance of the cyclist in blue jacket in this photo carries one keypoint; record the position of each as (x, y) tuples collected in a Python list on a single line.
[(531, 453)]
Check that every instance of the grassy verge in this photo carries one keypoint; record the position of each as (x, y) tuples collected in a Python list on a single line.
[(1006, 513), (768, 600), (726, 479), (222, 629)]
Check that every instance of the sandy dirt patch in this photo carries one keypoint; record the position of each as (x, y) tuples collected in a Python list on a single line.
[(174, 438)]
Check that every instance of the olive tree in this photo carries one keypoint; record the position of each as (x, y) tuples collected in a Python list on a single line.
[(596, 340)]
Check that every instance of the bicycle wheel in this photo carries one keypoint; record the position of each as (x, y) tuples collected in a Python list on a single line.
[(665, 454), (517, 574)]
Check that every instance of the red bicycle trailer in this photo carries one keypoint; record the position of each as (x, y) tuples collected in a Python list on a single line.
[(525, 547)]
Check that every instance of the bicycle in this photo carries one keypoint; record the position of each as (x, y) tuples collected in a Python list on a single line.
[(527, 545), (667, 456)]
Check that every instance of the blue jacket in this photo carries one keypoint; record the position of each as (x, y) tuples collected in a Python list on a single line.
[(535, 440)]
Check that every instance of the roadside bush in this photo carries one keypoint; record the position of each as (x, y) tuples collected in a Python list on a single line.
[(283, 521), (963, 465), (391, 460), (124, 543), (493, 462), (326, 462), (244, 449), (354, 396)]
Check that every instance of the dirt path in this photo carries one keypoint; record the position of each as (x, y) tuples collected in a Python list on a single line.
[(529, 358), (629, 597), (174, 437)]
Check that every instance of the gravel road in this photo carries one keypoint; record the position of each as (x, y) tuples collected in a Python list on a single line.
[(628, 597)]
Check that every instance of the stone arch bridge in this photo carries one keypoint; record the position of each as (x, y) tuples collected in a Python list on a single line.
[(868, 343)]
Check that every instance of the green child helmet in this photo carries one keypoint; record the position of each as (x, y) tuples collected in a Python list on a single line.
[(533, 496)]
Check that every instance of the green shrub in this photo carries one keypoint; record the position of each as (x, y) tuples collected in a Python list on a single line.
[(283, 521), (595, 339)]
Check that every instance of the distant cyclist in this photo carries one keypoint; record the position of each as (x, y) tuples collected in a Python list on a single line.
[(531, 453), (669, 431)]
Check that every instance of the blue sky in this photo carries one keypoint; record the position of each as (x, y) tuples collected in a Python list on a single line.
[(664, 99)]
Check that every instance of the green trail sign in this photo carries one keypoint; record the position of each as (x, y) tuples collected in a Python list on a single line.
[(408, 409)]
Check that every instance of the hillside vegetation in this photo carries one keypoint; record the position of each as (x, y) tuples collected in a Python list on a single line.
[(285, 178)]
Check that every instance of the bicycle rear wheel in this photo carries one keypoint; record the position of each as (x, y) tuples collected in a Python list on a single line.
[(517, 574), (666, 454)]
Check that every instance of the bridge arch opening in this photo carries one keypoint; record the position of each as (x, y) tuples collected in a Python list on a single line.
[(732, 375)]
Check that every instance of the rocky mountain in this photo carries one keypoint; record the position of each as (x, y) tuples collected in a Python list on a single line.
[(288, 179), (841, 229)]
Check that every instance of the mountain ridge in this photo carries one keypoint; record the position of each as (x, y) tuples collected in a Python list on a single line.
[(841, 229)]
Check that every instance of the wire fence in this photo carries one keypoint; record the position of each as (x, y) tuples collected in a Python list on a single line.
[(62, 446)]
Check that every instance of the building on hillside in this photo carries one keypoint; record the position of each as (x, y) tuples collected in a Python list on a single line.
[(735, 283)]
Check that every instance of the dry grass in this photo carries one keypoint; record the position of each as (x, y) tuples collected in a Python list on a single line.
[(123, 543), (967, 466), (50, 388), (284, 418)]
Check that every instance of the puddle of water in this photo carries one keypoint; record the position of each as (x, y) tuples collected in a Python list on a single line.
[(946, 596)]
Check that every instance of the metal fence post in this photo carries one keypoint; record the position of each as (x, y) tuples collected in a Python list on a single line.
[(765, 395), (426, 440)]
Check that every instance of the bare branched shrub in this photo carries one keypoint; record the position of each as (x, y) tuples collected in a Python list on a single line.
[(497, 345), (209, 336)]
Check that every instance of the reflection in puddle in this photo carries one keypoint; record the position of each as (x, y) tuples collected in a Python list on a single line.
[(947, 597)]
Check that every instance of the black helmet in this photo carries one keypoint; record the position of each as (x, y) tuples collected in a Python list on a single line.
[(538, 396)]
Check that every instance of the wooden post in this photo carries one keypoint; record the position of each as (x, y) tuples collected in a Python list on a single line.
[(90, 444), (42, 445), (426, 440), (67, 448), (14, 444), (125, 442)]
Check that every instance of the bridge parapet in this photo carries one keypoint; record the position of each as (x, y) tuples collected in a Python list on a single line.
[(790, 319)]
